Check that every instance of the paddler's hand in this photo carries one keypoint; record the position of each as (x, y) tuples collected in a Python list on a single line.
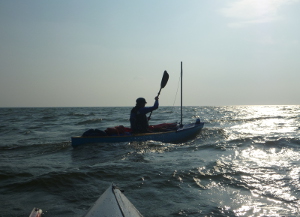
[(156, 98)]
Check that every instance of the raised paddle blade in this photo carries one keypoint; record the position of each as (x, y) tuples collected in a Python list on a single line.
[(163, 83), (164, 79)]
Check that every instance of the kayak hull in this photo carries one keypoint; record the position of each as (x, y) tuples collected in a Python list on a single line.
[(113, 203), (175, 136)]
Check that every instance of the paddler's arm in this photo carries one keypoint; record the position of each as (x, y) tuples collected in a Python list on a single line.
[(146, 110)]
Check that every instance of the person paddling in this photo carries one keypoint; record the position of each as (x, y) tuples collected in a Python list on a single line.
[(138, 118)]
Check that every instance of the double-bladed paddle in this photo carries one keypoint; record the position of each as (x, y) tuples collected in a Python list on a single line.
[(163, 83)]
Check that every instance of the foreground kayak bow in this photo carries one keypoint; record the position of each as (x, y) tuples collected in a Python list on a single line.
[(113, 203)]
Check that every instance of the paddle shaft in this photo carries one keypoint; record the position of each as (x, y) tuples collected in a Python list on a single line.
[(151, 111)]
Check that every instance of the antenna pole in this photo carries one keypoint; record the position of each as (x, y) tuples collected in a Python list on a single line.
[(181, 97)]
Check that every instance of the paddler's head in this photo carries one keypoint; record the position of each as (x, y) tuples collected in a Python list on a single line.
[(141, 102)]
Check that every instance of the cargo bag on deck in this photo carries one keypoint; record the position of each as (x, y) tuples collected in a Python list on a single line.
[(94, 132), (117, 131), (163, 127)]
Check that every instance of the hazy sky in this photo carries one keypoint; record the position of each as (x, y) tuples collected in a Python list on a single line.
[(110, 52)]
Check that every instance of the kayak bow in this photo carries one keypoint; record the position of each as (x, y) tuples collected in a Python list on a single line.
[(113, 203)]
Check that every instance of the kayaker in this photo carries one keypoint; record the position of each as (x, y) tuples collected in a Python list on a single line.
[(138, 118)]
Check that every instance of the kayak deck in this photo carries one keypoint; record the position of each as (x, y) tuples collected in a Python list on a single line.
[(113, 203)]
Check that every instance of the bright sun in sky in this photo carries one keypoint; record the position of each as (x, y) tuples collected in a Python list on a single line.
[(108, 53)]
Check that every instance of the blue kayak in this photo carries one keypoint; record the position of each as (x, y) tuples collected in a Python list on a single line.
[(113, 203), (181, 134)]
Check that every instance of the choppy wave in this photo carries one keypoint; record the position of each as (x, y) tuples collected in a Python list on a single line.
[(80, 114), (91, 121), (32, 149), (245, 162)]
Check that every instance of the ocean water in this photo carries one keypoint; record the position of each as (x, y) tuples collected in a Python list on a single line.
[(245, 162)]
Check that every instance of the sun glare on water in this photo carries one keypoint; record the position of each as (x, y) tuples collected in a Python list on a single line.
[(265, 168), (264, 121)]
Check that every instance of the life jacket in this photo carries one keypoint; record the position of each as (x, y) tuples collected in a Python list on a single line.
[(138, 122)]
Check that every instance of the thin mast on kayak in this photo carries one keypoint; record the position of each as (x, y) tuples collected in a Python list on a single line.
[(181, 97)]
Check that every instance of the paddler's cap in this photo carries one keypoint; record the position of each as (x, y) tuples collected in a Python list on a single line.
[(140, 100)]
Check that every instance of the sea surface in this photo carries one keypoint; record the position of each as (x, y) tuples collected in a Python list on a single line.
[(245, 162)]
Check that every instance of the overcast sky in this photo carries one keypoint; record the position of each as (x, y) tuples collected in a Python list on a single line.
[(110, 52)]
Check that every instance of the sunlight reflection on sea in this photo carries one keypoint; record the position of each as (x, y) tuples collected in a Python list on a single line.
[(265, 122)]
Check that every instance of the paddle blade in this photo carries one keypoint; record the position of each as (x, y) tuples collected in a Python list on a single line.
[(164, 79)]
